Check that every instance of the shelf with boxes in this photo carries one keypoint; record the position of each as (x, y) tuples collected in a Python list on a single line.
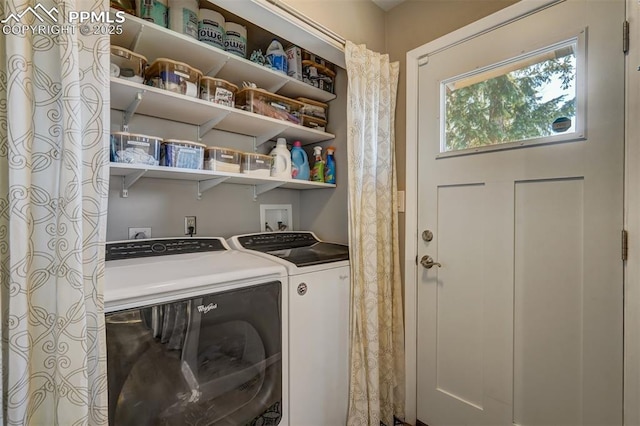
[(154, 41), (205, 179), (135, 98), (161, 73)]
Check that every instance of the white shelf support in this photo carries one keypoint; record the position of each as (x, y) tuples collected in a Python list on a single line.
[(216, 69), (265, 187), (209, 125), (205, 185), (136, 39), (131, 109), (129, 180), (260, 139), (279, 85)]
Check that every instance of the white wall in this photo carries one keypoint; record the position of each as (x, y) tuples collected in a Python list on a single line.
[(359, 21)]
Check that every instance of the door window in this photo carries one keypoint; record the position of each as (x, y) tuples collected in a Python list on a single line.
[(532, 98)]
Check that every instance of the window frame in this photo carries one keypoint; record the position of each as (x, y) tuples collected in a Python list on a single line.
[(579, 134)]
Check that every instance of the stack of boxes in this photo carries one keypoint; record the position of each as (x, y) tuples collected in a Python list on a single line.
[(310, 68)]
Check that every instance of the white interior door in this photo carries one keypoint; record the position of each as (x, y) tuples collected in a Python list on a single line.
[(522, 323)]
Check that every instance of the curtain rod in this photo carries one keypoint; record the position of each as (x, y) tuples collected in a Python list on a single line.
[(306, 20)]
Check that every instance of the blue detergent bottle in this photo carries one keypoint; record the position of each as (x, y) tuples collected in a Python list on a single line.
[(299, 162)]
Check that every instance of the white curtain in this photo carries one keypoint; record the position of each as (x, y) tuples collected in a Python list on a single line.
[(54, 125), (377, 332)]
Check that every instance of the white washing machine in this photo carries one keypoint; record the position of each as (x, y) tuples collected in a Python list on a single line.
[(319, 292), (196, 334)]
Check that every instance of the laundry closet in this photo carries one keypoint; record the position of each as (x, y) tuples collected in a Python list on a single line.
[(234, 332), (229, 207)]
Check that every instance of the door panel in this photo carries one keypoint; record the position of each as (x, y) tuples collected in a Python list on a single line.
[(548, 302), (459, 320), (522, 324)]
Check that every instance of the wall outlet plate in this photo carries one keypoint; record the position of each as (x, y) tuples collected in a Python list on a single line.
[(190, 222), (139, 233)]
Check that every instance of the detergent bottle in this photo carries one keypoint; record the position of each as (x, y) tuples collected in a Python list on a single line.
[(317, 173), (281, 164), (299, 162), (277, 57), (330, 166)]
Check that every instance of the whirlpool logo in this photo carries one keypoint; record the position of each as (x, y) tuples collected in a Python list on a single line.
[(206, 309)]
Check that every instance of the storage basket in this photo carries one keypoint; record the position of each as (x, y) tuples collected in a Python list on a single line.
[(261, 102), (256, 164), (174, 76), (135, 149), (314, 123), (218, 91), (127, 64), (183, 154), (314, 109), (221, 159), (318, 75)]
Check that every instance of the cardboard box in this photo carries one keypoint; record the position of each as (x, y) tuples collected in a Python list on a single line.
[(294, 62)]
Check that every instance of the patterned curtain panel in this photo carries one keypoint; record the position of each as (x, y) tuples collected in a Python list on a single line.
[(377, 331), (54, 125)]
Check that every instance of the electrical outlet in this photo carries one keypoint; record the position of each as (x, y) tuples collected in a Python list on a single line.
[(190, 225), (138, 233)]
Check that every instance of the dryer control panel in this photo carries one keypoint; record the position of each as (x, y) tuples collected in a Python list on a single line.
[(162, 247)]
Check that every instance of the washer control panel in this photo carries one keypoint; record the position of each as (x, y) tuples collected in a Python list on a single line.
[(161, 247), (277, 240)]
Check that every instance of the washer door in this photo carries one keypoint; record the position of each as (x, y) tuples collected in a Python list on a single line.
[(207, 361)]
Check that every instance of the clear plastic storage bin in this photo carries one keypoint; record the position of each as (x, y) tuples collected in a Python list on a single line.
[(314, 109), (318, 75), (183, 154), (222, 159), (256, 164), (135, 149), (127, 64), (261, 102), (218, 91), (174, 76), (314, 123)]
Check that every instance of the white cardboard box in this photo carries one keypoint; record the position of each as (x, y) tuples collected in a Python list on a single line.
[(294, 62)]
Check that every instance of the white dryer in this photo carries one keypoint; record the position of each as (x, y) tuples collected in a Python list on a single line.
[(319, 293), (196, 334)]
